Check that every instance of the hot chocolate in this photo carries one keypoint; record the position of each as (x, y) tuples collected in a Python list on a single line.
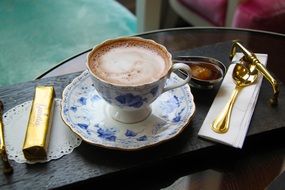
[(129, 63), (130, 73)]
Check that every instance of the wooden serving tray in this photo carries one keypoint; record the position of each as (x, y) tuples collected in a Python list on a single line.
[(89, 163)]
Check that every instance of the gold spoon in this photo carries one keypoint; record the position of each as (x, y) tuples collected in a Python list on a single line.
[(243, 75), (7, 167)]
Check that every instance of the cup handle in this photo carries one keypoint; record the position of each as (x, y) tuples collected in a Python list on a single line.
[(179, 66)]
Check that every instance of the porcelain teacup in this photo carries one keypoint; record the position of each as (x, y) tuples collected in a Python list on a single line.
[(130, 73)]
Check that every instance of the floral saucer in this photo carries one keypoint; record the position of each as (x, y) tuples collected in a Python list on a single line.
[(86, 113)]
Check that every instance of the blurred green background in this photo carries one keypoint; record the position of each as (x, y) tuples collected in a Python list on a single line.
[(36, 35)]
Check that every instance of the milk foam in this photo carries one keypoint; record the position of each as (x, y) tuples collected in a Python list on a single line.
[(129, 65)]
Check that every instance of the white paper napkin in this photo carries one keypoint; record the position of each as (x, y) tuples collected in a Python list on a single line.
[(242, 110)]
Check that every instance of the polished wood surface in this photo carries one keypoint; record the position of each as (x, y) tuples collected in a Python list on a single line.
[(254, 167), (188, 38)]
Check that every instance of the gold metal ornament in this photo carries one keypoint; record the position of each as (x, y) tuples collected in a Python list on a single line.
[(252, 59)]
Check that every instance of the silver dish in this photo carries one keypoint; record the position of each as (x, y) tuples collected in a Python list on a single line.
[(202, 83)]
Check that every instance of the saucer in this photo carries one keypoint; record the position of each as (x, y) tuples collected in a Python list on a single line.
[(86, 113)]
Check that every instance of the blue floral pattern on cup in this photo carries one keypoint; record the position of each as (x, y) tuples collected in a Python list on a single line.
[(131, 100), (86, 114)]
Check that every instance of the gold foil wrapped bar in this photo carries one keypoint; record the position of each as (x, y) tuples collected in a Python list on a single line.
[(38, 129)]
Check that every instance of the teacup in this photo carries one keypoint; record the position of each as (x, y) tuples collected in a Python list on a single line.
[(130, 73)]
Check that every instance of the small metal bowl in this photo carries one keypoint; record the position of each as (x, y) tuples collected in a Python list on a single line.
[(211, 64)]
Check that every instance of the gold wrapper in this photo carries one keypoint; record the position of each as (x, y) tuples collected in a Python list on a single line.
[(38, 129)]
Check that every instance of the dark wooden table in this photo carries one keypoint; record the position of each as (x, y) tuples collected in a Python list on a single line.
[(204, 165)]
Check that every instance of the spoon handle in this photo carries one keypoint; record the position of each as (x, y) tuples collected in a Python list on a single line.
[(7, 169), (221, 123)]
